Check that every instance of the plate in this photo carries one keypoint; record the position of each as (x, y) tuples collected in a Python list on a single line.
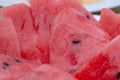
[(97, 17), (102, 4), (10, 2)]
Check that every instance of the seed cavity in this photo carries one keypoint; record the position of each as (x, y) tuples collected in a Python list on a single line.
[(118, 76), (76, 42)]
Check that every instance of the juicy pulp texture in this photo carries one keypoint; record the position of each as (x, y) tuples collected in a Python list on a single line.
[(70, 37), (79, 21), (47, 72), (61, 41), (104, 65), (12, 67), (44, 12), (28, 39), (17, 69), (9, 43), (48, 10), (110, 22), (53, 73), (68, 46)]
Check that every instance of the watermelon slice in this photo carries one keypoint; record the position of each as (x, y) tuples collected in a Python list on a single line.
[(29, 41), (73, 37), (9, 44), (12, 67), (53, 73), (47, 72), (45, 11), (110, 22), (17, 69), (75, 18), (104, 65)]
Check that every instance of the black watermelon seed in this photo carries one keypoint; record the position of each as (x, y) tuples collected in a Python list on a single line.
[(118, 76), (72, 71), (88, 17), (5, 65), (17, 60), (76, 41)]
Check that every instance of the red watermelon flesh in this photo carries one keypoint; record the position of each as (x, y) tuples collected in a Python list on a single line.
[(78, 20), (68, 47), (9, 44), (45, 11), (104, 65), (17, 69), (48, 72), (12, 67), (110, 22), (29, 41), (70, 40)]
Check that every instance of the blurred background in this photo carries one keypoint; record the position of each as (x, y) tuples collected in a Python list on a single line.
[(10, 2), (97, 5), (93, 6)]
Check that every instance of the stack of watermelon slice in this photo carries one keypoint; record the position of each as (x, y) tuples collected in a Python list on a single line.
[(58, 40)]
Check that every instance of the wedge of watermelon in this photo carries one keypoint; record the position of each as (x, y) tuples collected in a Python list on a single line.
[(79, 21), (45, 11), (9, 44), (52, 73), (104, 65), (29, 41), (74, 36), (47, 72), (110, 22), (13, 68)]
